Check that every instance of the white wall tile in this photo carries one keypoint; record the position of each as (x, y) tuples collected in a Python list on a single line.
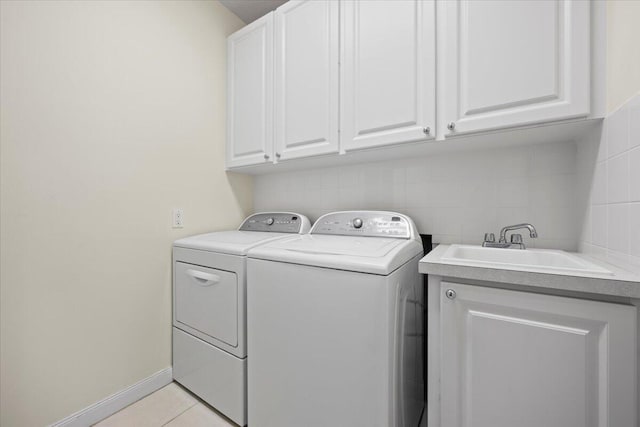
[(618, 179), (599, 225), (634, 175), (350, 176), (415, 195), (447, 239), (350, 197), (516, 162), (541, 242), (614, 209), (313, 181), (618, 228), (457, 197), (634, 122), (586, 226), (553, 159), (476, 221), (603, 143), (513, 192), (599, 193), (557, 222), (552, 190), (441, 220), (416, 173), (634, 229), (329, 178), (443, 193), (618, 131)]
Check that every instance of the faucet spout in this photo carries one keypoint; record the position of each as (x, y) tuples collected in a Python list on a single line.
[(503, 233)]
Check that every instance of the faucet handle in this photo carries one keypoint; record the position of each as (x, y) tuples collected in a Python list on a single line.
[(489, 237), (516, 238)]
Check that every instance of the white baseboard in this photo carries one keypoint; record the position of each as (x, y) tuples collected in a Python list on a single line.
[(117, 401)]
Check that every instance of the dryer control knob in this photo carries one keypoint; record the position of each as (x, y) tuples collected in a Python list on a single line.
[(357, 223), (269, 221)]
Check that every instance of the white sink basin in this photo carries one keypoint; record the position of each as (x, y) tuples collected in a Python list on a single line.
[(541, 260)]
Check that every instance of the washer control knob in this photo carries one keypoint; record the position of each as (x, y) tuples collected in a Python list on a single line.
[(269, 221), (357, 223)]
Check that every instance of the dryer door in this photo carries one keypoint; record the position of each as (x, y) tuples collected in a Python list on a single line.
[(207, 300)]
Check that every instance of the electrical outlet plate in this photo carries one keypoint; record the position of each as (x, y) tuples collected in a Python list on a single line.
[(177, 218)]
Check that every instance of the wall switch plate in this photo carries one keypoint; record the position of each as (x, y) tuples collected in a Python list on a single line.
[(177, 218)]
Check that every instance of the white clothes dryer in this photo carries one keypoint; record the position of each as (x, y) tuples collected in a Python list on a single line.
[(209, 308), (335, 325)]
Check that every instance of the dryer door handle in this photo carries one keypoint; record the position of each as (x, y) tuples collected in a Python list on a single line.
[(202, 278)]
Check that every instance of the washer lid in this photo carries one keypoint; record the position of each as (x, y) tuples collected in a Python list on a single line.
[(375, 255), (229, 242), (256, 229)]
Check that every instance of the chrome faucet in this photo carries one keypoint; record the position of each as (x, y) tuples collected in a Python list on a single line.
[(515, 241)]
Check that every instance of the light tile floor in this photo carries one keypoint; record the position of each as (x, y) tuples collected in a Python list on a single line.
[(170, 406)]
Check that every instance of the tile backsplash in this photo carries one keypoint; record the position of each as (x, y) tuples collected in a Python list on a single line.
[(610, 163), (457, 197)]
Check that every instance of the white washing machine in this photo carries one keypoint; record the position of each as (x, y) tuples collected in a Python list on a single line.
[(209, 308), (335, 325)]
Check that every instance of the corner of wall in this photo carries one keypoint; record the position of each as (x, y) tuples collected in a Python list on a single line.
[(610, 168)]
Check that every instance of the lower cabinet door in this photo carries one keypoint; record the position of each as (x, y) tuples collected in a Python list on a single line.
[(513, 358)]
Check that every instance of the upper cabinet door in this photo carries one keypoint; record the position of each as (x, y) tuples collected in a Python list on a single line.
[(250, 94), (511, 63), (388, 72), (307, 56)]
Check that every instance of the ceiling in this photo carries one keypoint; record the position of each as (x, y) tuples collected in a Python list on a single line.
[(250, 10)]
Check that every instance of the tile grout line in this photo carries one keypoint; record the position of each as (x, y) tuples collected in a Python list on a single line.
[(194, 404)]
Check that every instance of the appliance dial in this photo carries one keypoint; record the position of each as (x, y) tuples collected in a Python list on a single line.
[(357, 223), (269, 221)]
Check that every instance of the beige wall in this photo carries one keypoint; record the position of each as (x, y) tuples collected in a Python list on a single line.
[(112, 114), (623, 51)]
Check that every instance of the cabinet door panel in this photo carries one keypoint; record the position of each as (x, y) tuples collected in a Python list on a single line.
[(511, 63), (307, 75), (388, 72), (250, 94), (519, 359)]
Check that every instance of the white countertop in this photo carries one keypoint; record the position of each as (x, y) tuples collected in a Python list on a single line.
[(621, 283)]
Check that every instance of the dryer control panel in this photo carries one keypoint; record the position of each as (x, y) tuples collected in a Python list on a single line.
[(364, 223), (277, 222)]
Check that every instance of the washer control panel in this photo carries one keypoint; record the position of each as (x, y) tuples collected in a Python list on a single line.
[(370, 224), (276, 222)]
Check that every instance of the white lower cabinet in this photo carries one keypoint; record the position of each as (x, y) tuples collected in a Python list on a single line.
[(520, 359)]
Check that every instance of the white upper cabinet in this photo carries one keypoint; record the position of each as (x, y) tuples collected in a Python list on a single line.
[(510, 63), (323, 77), (250, 94), (388, 72), (512, 358), (306, 78)]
